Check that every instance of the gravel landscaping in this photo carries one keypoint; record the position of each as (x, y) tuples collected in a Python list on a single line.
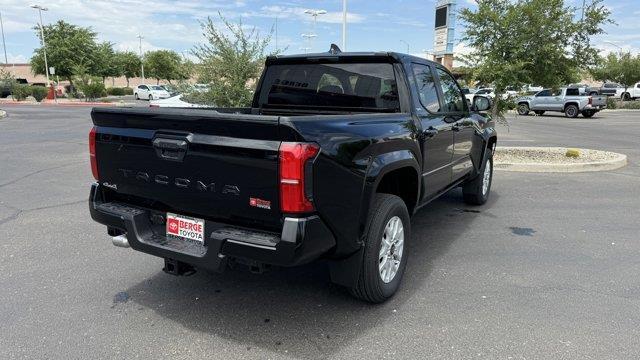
[(556, 159), (549, 156)]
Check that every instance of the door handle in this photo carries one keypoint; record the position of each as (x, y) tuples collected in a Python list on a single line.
[(430, 132)]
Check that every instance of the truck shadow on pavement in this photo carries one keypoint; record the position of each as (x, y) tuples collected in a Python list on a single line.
[(298, 311)]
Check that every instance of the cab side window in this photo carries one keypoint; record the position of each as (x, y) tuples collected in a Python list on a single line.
[(426, 87), (453, 99)]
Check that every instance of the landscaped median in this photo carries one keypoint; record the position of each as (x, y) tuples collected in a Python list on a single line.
[(556, 159)]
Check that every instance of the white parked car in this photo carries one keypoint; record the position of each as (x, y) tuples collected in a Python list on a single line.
[(632, 93), (150, 92), (175, 102)]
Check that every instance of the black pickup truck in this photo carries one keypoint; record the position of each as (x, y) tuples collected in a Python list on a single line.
[(335, 154)]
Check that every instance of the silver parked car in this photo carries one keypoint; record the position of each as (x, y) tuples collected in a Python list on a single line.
[(566, 100)]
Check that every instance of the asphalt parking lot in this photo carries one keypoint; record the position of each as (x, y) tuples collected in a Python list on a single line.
[(548, 269)]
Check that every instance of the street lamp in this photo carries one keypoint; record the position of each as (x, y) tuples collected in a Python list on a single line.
[(308, 37), (344, 25), (140, 37), (408, 48), (44, 45), (315, 14), (614, 44), (4, 45), (305, 49)]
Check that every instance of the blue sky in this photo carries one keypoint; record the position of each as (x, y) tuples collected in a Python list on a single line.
[(165, 24)]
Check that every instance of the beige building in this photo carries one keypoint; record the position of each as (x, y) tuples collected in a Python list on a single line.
[(23, 71)]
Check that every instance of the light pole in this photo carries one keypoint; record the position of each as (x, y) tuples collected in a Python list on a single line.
[(315, 14), (140, 37), (4, 45), (44, 44), (408, 47), (306, 49), (308, 37), (616, 45), (344, 25)]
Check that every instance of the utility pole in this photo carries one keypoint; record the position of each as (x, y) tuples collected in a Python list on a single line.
[(315, 14), (140, 37), (277, 49), (4, 44), (44, 44), (344, 25)]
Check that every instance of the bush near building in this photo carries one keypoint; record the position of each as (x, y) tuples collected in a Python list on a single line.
[(38, 92), (20, 91)]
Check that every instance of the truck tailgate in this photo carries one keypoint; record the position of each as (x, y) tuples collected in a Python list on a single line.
[(598, 100), (192, 162)]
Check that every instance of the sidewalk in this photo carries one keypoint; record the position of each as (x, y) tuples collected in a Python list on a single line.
[(63, 102)]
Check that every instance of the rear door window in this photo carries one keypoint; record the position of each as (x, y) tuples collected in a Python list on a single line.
[(573, 92)]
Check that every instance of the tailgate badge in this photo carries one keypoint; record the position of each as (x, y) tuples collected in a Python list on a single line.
[(110, 186), (259, 203)]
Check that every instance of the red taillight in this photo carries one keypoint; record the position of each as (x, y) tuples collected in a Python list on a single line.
[(293, 160), (92, 152)]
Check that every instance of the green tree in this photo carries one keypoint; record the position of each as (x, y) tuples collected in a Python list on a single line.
[(622, 68), (516, 42), (105, 63), (163, 65), (67, 46), (231, 59), (129, 63)]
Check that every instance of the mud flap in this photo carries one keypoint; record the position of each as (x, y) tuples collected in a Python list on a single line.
[(346, 271)]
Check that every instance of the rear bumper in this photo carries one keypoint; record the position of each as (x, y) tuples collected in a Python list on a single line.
[(302, 240)]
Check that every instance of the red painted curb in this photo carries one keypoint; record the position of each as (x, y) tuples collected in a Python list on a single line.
[(58, 104)]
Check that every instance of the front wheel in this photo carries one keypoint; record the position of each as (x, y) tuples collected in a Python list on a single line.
[(523, 109), (150, 97), (385, 255), (137, 97), (476, 191), (571, 111), (626, 97)]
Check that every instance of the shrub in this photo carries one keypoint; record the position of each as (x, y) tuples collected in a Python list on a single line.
[(20, 91), (631, 105), (93, 89), (127, 90), (39, 92), (612, 103), (115, 91)]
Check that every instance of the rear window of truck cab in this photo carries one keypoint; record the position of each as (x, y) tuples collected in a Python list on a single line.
[(369, 86)]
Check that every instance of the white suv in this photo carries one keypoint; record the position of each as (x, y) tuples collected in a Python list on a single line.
[(150, 92)]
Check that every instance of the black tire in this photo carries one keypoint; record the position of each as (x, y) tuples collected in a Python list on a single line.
[(588, 113), (137, 97), (473, 191), (150, 97), (523, 109), (370, 286), (539, 112), (571, 111), (626, 97)]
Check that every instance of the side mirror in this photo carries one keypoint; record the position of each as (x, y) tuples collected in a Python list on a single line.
[(481, 103)]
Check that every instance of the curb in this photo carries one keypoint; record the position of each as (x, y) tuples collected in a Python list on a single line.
[(618, 162), (64, 104)]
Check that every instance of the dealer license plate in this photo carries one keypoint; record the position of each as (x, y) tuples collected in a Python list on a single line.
[(185, 227)]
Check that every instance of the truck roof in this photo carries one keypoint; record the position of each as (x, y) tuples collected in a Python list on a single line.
[(349, 56)]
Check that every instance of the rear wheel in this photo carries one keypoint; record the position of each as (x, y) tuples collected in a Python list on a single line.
[(385, 255), (539, 112), (150, 97), (626, 97), (476, 191), (523, 109), (137, 97), (571, 111)]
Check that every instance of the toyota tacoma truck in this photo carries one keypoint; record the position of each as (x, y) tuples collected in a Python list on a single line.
[(566, 100), (334, 156)]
